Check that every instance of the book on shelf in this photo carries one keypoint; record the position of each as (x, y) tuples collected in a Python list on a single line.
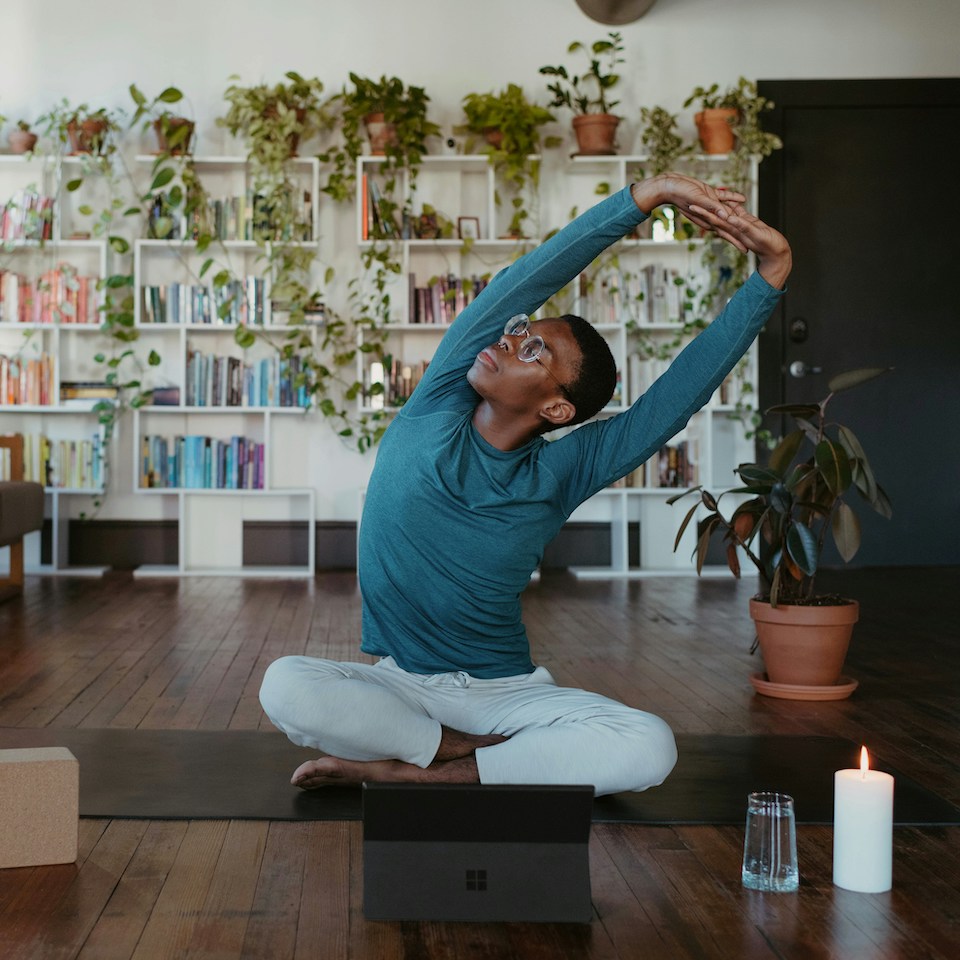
[(390, 382), (238, 301), (65, 463), (443, 298), (227, 381), (27, 215), (678, 464), (26, 382), (197, 462), (59, 295)]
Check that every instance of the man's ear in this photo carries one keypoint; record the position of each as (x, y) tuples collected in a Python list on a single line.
[(558, 412)]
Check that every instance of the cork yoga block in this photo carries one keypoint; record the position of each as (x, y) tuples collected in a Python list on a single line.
[(39, 806)]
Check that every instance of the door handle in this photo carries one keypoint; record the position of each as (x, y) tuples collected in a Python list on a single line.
[(799, 369)]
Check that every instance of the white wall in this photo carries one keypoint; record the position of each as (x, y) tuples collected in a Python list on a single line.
[(93, 50)]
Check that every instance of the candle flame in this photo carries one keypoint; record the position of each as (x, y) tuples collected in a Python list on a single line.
[(864, 761)]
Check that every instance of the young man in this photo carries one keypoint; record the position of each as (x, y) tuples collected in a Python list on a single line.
[(465, 495)]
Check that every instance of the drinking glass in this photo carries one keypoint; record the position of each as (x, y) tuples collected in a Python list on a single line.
[(770, 844)]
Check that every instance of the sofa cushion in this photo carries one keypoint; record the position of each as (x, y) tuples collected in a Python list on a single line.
[(21, 509)]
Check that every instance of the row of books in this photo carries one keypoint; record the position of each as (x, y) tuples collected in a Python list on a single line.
[(674, 465), (59, 295), (76, 464), (247, 217), (390, 382), (25, 381), (27, 215), (443, 298), (224, 381), (201, 463), (237, 301), (642, 373), (654, 294)]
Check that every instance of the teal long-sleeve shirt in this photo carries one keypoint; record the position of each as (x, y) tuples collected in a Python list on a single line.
[(452, 527)]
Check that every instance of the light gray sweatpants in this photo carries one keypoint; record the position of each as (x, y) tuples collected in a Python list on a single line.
[(560, 735)]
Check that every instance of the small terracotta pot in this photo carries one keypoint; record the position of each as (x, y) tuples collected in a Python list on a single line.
[(804, 645), (168, 126), (715, 130), (21, 141), (88, 135), (493, 136), (380, 133), (293, 140), (596, 134)]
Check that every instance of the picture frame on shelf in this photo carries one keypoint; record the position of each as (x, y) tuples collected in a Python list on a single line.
[(468, 228)]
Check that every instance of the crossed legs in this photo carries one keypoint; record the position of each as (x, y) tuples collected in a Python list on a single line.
[(377, 722)]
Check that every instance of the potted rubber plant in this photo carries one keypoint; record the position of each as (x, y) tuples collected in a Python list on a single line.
[(510, 126), (787, 508), (587, 95)]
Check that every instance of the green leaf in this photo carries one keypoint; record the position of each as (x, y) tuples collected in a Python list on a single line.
[(73, 185), (153, 358), (162, 178), (853, 378), (782, 456), (207, 264), (170, 95), (119, 245), (796, 409), (85, 209), (834, 465), (846, 532), (684, 524), (802, 548)]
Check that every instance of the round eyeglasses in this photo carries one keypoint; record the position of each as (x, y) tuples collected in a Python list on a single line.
[(530, 347)]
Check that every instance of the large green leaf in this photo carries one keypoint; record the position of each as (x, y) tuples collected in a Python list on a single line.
[(782, 456), (756, 476), (846, 532), (853, 378), (862, 472), (834, 464), (802, 548)]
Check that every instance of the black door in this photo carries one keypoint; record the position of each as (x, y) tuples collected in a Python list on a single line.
[(867, 190)]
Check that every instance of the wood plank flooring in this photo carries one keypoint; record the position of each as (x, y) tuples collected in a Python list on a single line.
[(189, 654)]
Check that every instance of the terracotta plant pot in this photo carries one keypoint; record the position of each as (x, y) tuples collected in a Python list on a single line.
[(715, 130), (21, 141), (596, 134), (168, 126), (87, 136), (380, 133), (804, 645), (293, 140), (493, 136)]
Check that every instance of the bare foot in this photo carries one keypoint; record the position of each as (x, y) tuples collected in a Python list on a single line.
[(332, 771)]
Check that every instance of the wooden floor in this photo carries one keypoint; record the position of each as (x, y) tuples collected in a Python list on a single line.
[(190, 654)]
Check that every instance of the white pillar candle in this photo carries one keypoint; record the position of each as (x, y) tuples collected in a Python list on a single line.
[(863, 828)]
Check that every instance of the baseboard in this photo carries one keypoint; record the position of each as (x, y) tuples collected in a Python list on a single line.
[(127, 544)]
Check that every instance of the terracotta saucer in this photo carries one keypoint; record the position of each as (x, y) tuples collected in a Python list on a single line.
[(794, 691)]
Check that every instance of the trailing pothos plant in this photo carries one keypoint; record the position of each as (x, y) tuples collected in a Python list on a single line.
[(510, 125), (274, 120)]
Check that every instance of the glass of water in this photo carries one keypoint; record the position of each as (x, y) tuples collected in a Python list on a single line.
[(770, 844)]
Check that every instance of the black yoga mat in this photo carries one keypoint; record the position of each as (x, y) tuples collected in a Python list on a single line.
[(237, 775)]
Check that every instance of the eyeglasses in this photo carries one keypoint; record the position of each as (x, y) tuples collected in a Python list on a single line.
[(530, 347)]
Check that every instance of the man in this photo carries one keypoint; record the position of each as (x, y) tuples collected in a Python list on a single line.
[(465, 495)]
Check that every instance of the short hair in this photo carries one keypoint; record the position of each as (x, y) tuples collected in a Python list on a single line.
[(596, 378)]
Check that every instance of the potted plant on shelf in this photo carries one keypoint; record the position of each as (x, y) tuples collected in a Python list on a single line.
[(510, 124), (791, 504), (394, 117), (729, 122), (86, 130), (174, 132), (22, 139), (587, 95), (274, 118)]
